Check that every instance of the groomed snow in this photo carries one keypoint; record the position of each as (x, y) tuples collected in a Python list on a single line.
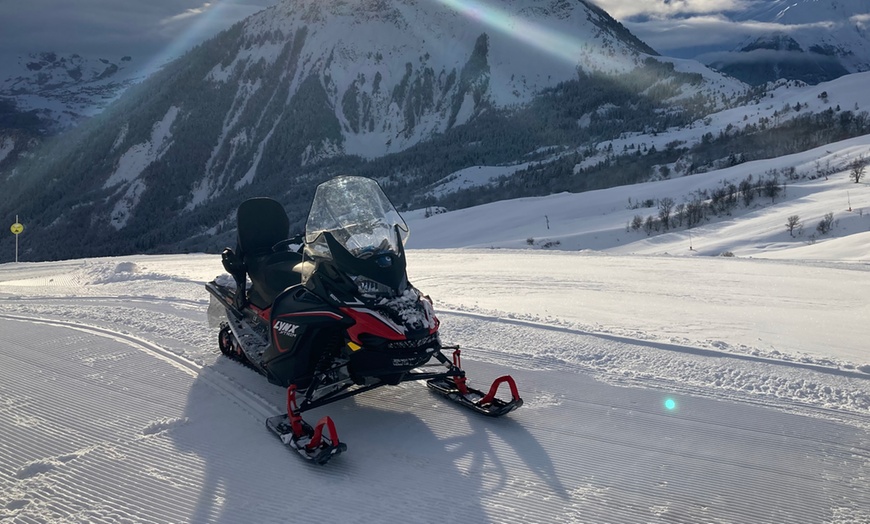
[(117, 408)]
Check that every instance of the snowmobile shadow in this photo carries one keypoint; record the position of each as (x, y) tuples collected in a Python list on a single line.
[(247, 475), (221, 437), (428, 471), (491, 439), (483, 451)]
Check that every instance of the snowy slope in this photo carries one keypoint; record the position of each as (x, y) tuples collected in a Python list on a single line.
[(511, 223), (599, 220)]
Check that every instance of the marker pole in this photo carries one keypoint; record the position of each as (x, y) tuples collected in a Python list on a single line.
[(16, 229)]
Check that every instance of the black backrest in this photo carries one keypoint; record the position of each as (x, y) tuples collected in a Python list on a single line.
[(262, 223)]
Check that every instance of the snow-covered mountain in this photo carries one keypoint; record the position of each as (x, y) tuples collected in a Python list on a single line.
[(809, 40), (395, 73), (307, 87), (61, 90), (43, 94)]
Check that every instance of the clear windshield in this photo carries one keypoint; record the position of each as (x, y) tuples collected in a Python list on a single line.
[(358, 214)]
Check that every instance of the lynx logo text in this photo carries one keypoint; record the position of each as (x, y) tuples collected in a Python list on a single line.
[(286, 328)]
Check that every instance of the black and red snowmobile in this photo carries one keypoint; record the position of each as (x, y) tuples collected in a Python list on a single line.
[(331, 314)]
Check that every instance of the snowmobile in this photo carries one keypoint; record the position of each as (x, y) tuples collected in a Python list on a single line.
[(330, 313)]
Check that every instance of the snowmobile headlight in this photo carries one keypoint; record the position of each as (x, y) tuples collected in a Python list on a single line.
[(368, 286)]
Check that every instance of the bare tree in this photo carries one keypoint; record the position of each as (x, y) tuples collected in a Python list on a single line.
[(826, 224), (649, 224), (792, 222), (679, 214), (666, 205), (636, 222), (858, 167), (745, 188), (772, 188)]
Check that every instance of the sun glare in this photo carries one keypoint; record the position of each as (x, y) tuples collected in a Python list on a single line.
[(564, 46), (199, 23)]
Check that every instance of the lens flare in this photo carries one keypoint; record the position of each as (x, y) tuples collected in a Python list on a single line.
[(568, 47), (198, 24), (670, 404)]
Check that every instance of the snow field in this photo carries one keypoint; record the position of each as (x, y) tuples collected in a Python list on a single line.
[(117, 408)]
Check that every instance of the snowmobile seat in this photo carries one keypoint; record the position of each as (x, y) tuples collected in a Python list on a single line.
[(266, 249)]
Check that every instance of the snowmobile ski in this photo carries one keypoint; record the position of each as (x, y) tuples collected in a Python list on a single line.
[(476, 400), (456, 389), (309, 442)]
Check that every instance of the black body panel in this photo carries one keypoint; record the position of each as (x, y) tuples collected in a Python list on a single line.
[(303, 331)]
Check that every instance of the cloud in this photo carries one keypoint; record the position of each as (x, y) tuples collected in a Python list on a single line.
[(187, 14), (713, 30), (673, 34), (685, 28), (862, 22), (626, 9), (719, 59), (671, 25)]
